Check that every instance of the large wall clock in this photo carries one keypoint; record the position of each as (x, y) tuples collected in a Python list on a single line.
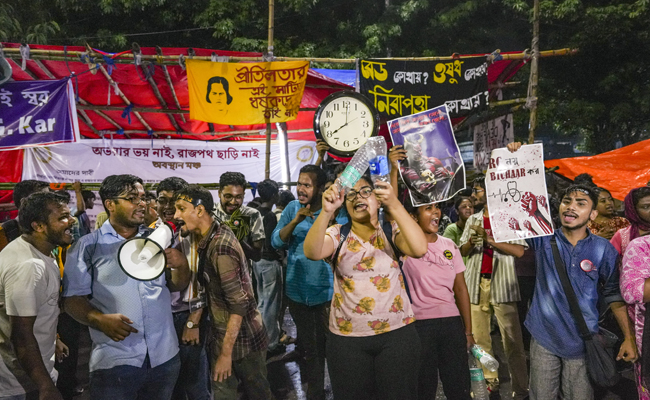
[(345, 120)]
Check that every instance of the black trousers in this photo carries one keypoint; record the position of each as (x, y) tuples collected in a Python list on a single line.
[(312, 327), (444, 351), (69, 330), (383, 366)]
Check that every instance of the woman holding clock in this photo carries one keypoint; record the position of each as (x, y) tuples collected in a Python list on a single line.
[(373, 348)]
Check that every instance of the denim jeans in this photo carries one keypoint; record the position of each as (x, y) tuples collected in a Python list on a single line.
[(125, 382), (194, 377), (268, 275), (551, 375)]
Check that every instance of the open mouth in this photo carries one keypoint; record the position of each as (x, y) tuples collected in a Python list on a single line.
[(569, 217), (68, 232), (434, 222), (360, 207)]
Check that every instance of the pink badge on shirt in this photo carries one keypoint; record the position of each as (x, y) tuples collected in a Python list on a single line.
[(586, 265)]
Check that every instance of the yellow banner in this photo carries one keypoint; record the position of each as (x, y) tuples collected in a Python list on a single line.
[(245, 93)]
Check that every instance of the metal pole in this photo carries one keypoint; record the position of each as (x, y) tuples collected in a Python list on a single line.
[(531, 103)]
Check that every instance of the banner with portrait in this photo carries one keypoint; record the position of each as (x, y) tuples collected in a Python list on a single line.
[(245, 93), (516, 193), (433, 170), (37, 113), (400, 88), (493, 134)]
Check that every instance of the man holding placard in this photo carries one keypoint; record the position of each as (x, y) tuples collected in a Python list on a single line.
[(557, 351)]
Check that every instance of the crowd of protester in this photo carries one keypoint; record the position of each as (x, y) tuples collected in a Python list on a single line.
[(389, 297)]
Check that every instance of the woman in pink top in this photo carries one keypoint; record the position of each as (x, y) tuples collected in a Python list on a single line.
[(373, 350), (635, 270), (438, 292)]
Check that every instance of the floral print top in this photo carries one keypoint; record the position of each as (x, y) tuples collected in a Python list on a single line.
[(369, 293), (635, 269)]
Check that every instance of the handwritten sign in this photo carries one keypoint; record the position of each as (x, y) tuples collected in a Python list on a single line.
[(433, 169), (245, 93), (400, 88), (490, 135), (516, 194)]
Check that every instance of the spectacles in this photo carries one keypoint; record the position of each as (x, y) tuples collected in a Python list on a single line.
[(475, 190), (132, 200), (364, 193)]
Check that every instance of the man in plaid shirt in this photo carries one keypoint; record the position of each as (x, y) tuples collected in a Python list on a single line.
[(239, 341)]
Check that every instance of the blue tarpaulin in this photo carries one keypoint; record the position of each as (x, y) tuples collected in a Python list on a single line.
[(347, 76)]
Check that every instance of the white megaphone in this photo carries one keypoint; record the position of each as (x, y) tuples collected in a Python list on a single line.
[(143, 258)]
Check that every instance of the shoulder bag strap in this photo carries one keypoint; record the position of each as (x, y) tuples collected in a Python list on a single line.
[(569, 292), (343, 234)]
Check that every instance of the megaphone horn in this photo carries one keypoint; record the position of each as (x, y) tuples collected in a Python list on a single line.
[(143, 258)]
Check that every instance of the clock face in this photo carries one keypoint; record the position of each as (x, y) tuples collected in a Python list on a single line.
[(345, 120)]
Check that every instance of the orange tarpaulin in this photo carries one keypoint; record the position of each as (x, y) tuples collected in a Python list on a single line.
[(618, 170)]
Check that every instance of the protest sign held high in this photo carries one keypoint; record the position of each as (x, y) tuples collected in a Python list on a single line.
[(433, 169), (490, 135), (516, 194), (245, 93)]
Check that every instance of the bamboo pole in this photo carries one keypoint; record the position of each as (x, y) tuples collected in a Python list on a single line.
[(170, 83), (267, 162), (161, 100), (87, 106), (123, 96), (534, 76), (147, 186), (127, 58), (220, 135)]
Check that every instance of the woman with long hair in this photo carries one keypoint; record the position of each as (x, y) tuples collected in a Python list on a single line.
[(442, 310), (606, 223), (373, 349)]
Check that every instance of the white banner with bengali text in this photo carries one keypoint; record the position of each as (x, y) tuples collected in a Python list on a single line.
[(516, 194)]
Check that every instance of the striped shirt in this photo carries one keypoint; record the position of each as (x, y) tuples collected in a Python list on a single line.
[(504, 287), (230, 292)]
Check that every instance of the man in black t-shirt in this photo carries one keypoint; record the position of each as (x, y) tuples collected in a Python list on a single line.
[(268, 270)]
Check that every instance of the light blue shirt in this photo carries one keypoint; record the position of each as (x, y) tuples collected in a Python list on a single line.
[(308, 282), (92, 269)]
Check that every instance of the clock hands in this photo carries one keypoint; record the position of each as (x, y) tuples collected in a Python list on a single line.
[(344, 125)]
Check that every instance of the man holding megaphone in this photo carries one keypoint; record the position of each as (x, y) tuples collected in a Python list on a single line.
[(238, 348), (135, 348)]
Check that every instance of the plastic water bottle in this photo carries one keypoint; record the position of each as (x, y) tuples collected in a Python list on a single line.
[(378, 159), (355, 169), (479, 387), (485, 358)]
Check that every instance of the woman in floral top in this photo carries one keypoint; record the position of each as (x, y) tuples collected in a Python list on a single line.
[(606, 223), (373, 349)]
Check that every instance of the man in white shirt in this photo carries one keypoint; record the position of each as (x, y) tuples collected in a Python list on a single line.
[(29, 292)]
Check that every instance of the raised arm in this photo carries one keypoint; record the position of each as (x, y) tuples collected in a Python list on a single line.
[(395, 155), (410, 240), (318, 245)]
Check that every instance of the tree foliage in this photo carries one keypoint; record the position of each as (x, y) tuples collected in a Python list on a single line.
[(602, 93)]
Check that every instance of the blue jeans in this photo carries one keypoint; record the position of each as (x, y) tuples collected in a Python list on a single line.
[(269, 292), (125, 382), (194, 377)]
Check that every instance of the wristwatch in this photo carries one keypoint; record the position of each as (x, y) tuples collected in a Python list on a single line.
[(191, 325)]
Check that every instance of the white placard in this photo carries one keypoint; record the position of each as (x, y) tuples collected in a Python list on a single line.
[(491, 135), (516, 194)]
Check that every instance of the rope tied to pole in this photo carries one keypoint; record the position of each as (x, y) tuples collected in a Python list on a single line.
[(127, 113), (24, 54)]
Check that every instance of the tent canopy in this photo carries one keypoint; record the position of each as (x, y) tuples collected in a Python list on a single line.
[(618, 171)]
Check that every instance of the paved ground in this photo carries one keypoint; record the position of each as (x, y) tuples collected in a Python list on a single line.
[(285, 378)]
